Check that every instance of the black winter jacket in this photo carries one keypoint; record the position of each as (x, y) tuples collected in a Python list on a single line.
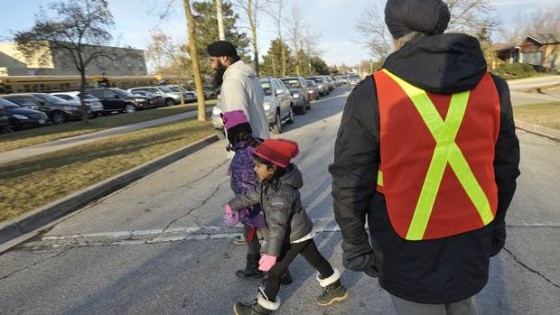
[(432, 271), (285, 217)]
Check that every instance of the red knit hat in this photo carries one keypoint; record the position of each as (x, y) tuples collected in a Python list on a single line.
[(277, 151)]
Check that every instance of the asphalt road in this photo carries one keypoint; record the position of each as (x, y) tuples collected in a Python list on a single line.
[(156, 246)]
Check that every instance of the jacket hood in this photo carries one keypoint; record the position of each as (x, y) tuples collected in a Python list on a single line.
[(240, 68), (443, 64), (292, 177)]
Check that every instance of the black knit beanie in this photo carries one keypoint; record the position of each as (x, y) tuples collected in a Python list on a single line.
[(424, 16)]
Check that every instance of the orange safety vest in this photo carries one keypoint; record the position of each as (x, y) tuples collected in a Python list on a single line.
[(437, 154)]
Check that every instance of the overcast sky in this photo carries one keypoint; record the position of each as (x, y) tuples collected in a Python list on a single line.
[(334, 20)]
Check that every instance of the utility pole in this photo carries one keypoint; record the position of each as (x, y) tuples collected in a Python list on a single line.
[(220, 17)]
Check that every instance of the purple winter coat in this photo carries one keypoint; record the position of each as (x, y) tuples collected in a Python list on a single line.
[(243, 179)]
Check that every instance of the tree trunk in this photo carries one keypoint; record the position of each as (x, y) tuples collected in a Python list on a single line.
[(85, 115), (194, 58), (253, 26)]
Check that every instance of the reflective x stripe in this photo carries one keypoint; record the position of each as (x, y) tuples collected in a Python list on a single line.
[(446, 151)]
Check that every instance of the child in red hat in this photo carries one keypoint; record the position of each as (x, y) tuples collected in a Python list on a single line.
[(290, 229)]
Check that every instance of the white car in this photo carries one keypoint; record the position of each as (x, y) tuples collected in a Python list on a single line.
[(94, 104)]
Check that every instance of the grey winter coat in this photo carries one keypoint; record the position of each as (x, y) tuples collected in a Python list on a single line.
[(284, 214)]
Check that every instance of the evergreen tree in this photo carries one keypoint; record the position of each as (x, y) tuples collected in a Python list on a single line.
[(206, 31), (272, 61)]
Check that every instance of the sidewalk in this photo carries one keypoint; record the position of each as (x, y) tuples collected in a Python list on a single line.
[(49, 147)]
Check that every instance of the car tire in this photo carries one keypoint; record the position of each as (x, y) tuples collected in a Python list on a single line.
[(290, 116), (129, 108), (277, 127), (302, 110), (58, 117)]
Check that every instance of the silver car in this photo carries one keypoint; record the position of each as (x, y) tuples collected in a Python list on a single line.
[(277, 104), (94, 104), (169, 96)]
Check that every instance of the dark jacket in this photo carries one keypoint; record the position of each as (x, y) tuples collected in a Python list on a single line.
[(284, 214), (433, 271)]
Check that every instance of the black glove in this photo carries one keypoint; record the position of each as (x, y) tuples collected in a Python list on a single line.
[(498, 240), (363, 262)]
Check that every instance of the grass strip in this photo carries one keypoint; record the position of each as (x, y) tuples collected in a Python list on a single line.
[(25, 138), (34, 182), (547, 115)]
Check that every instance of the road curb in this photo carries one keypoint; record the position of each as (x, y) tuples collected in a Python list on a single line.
[(548, 133), (41, 217)]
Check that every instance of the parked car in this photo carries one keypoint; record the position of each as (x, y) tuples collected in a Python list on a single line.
[(94, 104), (209, 92), (313, 90), (5, 125), (169, 97), (322, 85), (277, 102), (353, 79), (153, 99), (188, 96), (117, 100), (58, 110), (298, 89), (21, 117)]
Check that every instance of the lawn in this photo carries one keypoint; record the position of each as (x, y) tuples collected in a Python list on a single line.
[(25, 138), (547, 115), (31, 183)]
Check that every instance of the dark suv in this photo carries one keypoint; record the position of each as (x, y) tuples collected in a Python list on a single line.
[(300, 96), (117, 100), (58, 110)]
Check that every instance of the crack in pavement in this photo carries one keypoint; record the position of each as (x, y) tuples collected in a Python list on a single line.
[(35, 264), (192, 209), (206, 175), (529, 268)]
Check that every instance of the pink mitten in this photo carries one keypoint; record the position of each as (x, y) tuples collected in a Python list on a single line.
[(228, 209), (231, 219), (267, 262)]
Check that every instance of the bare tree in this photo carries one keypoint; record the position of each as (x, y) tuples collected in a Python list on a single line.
[(467, 16), (544, 22), (77, 31), (295, 36), (276, 15), (378, 39), (195, 65), (252, 8)]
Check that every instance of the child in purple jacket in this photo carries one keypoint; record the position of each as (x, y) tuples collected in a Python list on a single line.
[(243, 179)]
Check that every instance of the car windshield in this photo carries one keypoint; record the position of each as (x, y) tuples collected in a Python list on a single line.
[(122, 92), (165, 89), (49, 98), (292, 83), (267, 90), (318, 80), (7, 104)]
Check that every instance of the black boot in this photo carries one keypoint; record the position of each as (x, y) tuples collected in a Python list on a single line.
[(251, 269), (259, 306), (333, 290)]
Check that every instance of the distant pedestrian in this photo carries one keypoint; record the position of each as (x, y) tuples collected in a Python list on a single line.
[(427, 153), (240, 86), (290, 229)]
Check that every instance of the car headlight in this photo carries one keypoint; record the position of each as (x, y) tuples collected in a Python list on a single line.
[(266, 106), (295, 95), (22, 117), (139, 100), (72, 108)]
